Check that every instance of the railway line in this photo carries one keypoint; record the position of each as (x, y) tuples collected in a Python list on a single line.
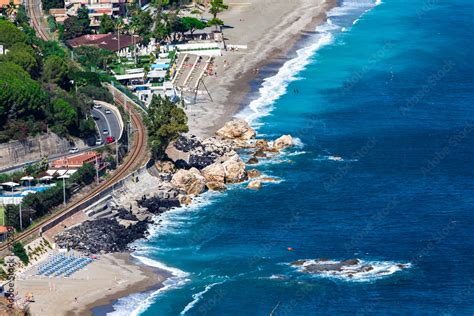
[(34, 12), (134, 159)]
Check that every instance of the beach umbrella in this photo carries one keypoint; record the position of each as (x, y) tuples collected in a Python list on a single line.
[(11, 184), (27, 178)]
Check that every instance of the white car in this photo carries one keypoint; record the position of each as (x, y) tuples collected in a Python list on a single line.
[(97, 106), (73, 150), (105, 131), (108, 112), (98, 142)]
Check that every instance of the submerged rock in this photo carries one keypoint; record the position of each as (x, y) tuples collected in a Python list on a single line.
[(252, 161), (283, 142), (255, 184)]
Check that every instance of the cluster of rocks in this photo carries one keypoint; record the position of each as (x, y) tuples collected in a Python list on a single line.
[(196, 165), (101, 236)]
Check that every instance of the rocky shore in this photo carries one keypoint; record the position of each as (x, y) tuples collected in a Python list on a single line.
[(195, 165)]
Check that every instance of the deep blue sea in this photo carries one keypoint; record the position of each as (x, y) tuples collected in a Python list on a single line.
[(381, 101)]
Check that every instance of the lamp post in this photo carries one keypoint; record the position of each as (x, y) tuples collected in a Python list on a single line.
[(21, 220), (64, 177)]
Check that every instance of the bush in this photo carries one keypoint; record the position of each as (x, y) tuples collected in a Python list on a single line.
[(20, 252), (97, 93)]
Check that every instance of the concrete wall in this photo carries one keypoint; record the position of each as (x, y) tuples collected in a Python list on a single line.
[(16, 152)]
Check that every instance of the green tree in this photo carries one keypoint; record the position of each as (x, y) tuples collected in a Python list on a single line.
[(83, 17), (217, 6), (24, 56), (73, 27), (21, 16), (215, 22), (107, 25), (63, 113), (165, 121), (10, 34), (84, 175), (55, 70), (192, 24), (19, 94)]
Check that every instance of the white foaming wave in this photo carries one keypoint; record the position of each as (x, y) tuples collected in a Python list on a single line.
[(276, 86), (197, 297), (357, 272), (136, 304), (378, 2)]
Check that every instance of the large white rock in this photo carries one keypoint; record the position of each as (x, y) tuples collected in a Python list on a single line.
[(214, 173), (237, 130), (234, 169), (283, 142), (190, 181)]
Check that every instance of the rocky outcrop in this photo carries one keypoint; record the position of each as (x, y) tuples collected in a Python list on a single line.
[(157, 205), (234, 169), (253, 173), (191, 181), (214, 173), (283, 142), (101, 236), (255, 185), (216, 186), (236, 130), (252, 161)]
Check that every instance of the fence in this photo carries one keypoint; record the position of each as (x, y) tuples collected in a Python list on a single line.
[(119, 184)]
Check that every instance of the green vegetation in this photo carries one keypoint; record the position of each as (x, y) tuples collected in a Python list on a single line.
[(41, 89), (20, 252), (165, 121), (52, 4), (107, 25), (75, 26)]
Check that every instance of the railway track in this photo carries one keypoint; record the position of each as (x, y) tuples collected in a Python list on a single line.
[(134, 159), (34, 12)]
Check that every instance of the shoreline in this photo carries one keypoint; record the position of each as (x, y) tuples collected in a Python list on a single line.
[(234, 89), (153, 281), (240, 92), (101, 293)]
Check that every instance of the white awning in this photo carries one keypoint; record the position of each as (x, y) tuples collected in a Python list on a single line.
[(71, 171), (46, 178), (130, 76), (11, 184), (27, 178)]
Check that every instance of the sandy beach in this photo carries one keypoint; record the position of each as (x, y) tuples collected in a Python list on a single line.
[(270, 29), (100, 283)]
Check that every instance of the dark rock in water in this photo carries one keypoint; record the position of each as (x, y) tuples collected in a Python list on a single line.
[(350, 262), (252, 161), (158, 205), (100, 236), (260, 153), (298, 262)]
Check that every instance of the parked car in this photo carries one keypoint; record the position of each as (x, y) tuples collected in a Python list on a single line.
[(98, 141), (95, 117), (105, 131), (73, 150), (110, 139), (108, 112), (97, 106)]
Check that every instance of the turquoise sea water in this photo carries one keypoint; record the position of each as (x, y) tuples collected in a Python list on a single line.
[(389, 89)]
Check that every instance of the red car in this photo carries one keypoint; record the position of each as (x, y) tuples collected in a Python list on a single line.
[(110, 139)]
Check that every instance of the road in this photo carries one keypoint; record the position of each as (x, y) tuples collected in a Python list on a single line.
[(135, 159), (111, 122)]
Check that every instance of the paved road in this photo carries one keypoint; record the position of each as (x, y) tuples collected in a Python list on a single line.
[(105, 121), (109, 122)]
